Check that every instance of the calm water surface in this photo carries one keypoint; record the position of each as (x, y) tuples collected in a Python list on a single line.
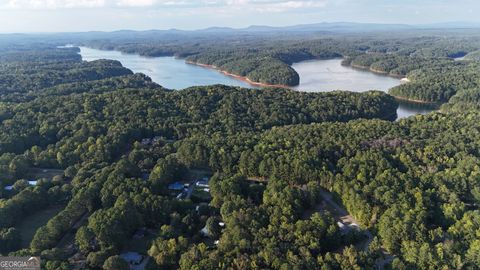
[(328, 75), (315, 75), (169, 72)]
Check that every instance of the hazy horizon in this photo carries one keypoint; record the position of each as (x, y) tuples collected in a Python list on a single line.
[(40, 16), (471, 25)]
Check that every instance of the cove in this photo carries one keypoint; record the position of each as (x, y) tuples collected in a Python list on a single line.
[(330, 75), (315, 76)]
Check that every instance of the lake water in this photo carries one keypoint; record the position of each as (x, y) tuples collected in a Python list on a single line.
[(169, 72), (315, 75), (328, 75)]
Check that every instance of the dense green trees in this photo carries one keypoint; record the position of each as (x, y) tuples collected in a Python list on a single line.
[(26, 202), (397, 65), (439, 83), (93, 130), (9, 240), (28, 77), (112, 224), (265, 57), (166, 252), (166, 171), (273, 153), (115, 263)]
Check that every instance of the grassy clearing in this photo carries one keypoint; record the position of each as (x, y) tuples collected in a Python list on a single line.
[(30, 224), (38, 173), (201, 195), (141, 245), (69, 237), (194, 174)]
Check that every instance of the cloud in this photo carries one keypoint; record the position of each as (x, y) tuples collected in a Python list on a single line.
[(136, 3), (50, 4), (250, 5), (289, 5)]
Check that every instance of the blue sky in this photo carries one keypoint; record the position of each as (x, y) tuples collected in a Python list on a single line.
[(85, 15)]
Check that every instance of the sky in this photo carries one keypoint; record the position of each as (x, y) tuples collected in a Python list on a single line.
[(27, 16)]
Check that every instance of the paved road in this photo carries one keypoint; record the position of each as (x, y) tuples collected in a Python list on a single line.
[(190, 189), (257, 179), (140, 266), (342, 215), (345, 217)]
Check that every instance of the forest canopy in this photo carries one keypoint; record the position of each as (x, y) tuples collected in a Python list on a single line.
[(221, 177)]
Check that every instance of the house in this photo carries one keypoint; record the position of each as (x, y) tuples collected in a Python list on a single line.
[(32, 182), (148, 141), (347, 227), (205, 231), (176, 186), (132, 258), (145, 141), (202, 183), (354, 226)]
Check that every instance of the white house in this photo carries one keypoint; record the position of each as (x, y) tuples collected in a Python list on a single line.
[(202, 183), (32, 182)]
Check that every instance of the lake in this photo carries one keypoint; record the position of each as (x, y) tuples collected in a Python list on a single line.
[(328, 75), (315, 75), (169, 72)]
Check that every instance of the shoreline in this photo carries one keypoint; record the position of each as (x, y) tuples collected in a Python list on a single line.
[(238, 77), (379, 72), (247, 80), (405, 80), (417, 101), (259, 84)]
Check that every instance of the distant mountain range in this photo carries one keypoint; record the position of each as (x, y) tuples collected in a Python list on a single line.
[(323, 27), (346, 27)]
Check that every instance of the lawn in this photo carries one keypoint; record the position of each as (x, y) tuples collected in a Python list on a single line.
[(194, 174), (30, 224), (39, 173), (141, 245), (201, 195)]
